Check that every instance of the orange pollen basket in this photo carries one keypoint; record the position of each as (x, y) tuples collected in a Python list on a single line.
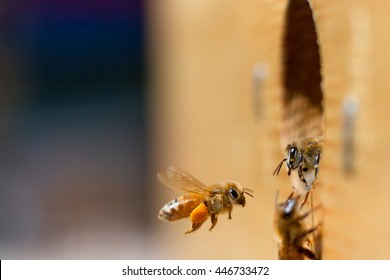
[(199, 214)]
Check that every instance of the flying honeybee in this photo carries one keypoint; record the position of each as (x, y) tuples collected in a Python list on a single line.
[(292, 233), (305, 157), (200, 201)]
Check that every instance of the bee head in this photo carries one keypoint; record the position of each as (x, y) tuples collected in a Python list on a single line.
[(236, 195), (294, 158), (289, 207), (286, 209)]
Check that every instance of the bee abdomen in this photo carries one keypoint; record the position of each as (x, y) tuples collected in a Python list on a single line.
[(178, 208)]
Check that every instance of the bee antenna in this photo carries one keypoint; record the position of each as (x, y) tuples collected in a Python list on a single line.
[(277, 170), (248, 192)]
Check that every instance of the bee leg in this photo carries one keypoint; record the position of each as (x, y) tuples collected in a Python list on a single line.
[(305, 199), (230, 213), (316, 172), (304, 234), (291, 195), (300, 174), (214, 220), (194, 227), (305, 215), (307, 253)]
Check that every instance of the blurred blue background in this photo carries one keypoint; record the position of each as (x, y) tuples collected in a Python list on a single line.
[(73, 131)]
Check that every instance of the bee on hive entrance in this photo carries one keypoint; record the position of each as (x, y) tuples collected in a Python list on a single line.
[(291, 231), (305, 157), (200, 201)]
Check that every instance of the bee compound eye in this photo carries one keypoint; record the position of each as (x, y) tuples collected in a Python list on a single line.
[(317, 159), (293, 152), (233, 193), (289, 207)]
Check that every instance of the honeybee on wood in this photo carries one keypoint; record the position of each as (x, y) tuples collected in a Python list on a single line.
[(200, 201), (291, 231), (305, 157)]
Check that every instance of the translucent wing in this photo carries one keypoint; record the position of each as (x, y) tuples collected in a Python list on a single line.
[(182, 181)]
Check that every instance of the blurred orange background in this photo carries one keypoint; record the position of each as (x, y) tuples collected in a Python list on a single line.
[(95, 99)]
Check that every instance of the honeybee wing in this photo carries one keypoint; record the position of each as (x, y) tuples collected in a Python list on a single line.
[(182, 181)]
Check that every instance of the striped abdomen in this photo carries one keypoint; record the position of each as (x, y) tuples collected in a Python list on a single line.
[(180, 207)]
